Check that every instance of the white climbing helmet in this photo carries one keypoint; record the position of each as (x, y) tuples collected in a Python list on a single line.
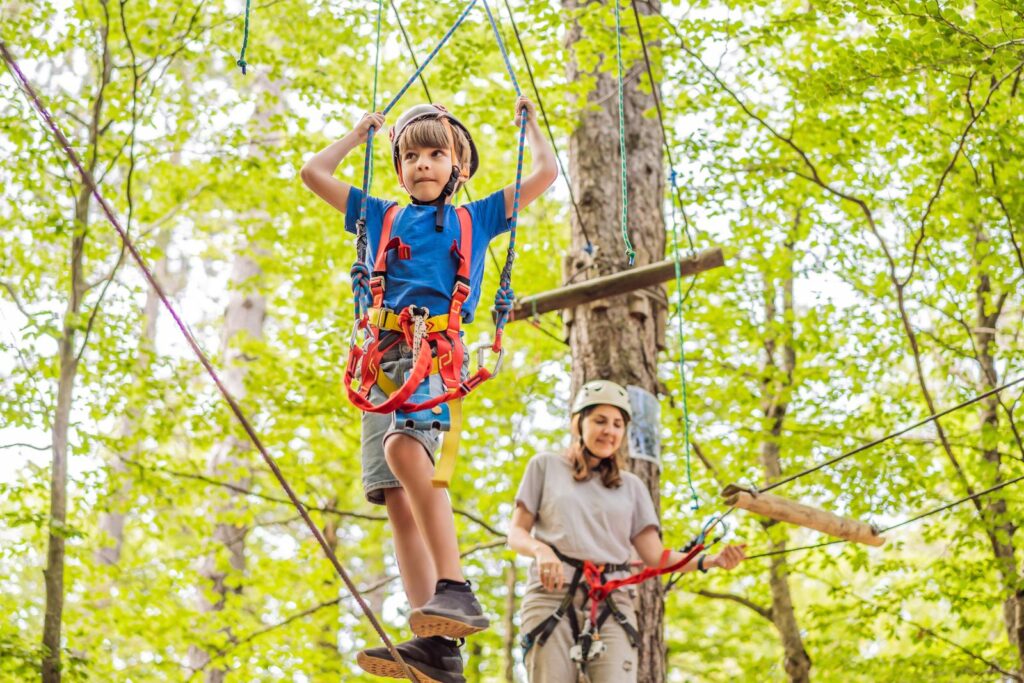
[(602, 392)]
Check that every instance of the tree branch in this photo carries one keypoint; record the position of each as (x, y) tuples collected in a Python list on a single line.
[(761, 611)]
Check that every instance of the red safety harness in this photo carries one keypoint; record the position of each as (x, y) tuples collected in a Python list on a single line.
[(435, 340)]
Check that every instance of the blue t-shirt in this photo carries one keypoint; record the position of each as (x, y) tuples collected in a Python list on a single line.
[(428, 277)]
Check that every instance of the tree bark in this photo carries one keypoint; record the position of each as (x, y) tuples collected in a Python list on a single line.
[(617, 338), (54, 572), (777, 380), (111, 522), (53, 575), (1003, 529)]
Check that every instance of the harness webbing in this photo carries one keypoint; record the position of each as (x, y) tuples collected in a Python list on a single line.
[(540, 633)]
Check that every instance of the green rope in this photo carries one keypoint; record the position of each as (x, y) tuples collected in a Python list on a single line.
[(630, 253), (376, 74), (695, 505), (245, 39)]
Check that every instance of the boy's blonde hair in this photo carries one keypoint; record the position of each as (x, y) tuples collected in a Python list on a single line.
[(431, 132)]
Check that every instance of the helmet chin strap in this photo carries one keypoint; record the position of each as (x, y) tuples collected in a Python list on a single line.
[(447, 191)]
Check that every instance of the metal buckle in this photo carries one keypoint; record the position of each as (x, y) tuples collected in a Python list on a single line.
[(597, 648)]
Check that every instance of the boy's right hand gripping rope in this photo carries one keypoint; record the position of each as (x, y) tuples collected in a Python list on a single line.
[(504, 300)]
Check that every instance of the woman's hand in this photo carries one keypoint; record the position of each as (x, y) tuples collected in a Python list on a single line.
[(370, 120), (552, 575), (730, 556)]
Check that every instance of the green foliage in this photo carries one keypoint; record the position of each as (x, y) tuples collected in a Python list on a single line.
[(867, 152)]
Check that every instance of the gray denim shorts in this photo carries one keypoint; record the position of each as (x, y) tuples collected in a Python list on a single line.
[(377, 427)]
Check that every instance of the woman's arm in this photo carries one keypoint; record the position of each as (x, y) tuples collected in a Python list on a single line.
[(520, 540), (545, 166), (318, 172), (650, 548)]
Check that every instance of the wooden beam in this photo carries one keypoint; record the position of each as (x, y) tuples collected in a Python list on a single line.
[(622, 282), (775, 507)]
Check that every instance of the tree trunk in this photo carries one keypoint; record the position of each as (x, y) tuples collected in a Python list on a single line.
[(54, 573), (618, 338), (111, 523), (995, 511), (510, 626), (245, 314), (777, 380)]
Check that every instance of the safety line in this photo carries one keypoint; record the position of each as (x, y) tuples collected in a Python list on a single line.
[(504, 298), (376, 78), (905, 522), (412, 51), (630, 253), (677, 192), (88, 180), (245, 40), (893, 435), (361, 221), (589, 248)]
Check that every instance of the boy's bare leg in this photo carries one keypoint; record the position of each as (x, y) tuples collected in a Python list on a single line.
[(430, 506), (415, 563)]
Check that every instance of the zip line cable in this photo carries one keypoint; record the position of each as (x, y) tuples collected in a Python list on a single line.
[(236, 409), (916, 518), (630, 252), (589, 248), (677, 193), (893, 435)]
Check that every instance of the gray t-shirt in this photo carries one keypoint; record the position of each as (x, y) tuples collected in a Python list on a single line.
[(585, 520)]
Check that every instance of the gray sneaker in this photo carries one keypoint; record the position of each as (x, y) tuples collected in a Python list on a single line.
[(453, 612), (432, 660)]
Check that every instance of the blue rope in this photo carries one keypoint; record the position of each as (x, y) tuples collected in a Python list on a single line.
[(501, 46), (360, 276), (368, 163), (408, 84), (695, 504), (504, 298), (360, 273)]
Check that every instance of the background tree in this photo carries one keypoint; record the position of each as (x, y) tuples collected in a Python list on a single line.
[(888, 129)]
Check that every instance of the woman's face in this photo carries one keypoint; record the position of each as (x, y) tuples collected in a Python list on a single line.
[(603, 430)]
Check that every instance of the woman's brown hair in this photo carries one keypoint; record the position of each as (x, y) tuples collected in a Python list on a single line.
[(610, 469)]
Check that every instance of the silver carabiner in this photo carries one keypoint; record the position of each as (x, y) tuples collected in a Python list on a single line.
[(481, 349)]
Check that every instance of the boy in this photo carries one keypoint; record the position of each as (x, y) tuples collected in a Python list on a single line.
[(434, 155)]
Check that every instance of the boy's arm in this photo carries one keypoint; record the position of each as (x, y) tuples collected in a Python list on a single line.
[(545, 166), (318, 172)]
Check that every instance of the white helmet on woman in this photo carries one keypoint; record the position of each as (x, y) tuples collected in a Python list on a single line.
[(602, 392)]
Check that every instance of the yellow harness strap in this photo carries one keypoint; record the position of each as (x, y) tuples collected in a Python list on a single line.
[(386, 319), (445, 467)]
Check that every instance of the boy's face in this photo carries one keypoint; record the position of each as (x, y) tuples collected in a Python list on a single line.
[(425, 171)]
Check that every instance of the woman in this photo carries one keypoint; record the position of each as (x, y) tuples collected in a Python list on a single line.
[(581, 506)]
